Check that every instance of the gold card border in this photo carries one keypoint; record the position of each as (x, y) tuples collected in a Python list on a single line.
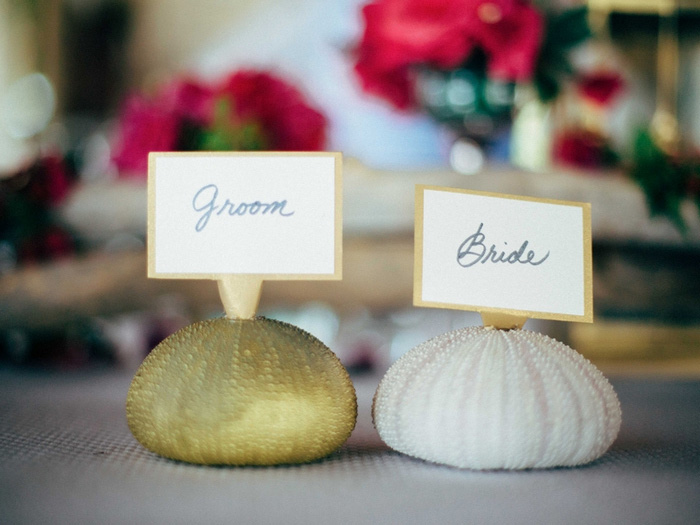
[(587, 316), (338, 248)]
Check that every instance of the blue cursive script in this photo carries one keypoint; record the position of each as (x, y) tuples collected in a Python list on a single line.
[(473, 250), (205, 202)]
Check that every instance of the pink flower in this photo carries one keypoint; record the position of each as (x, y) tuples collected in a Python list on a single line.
[(400, 34), (188, 98), (264, 112), (144, 126)]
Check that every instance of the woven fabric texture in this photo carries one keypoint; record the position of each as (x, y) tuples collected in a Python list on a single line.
[(66, 456)]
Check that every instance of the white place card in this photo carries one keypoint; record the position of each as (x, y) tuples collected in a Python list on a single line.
[(506, 254), (276, 215)]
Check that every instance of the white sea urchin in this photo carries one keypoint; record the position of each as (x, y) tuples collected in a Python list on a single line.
[(484, 398)]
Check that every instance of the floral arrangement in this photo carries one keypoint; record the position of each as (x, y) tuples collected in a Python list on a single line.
[(507, 40), (483, 48), (246, 111), (586, 144), (667, 176)]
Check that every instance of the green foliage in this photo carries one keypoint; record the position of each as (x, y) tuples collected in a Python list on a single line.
[(666, 180), (563, 32), (226, 133)]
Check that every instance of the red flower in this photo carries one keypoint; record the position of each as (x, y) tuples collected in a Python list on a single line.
[(51, 243), (510, 32), (285, 119), (693, 184), (50, 181), (600, 87), (401, 32), (56, 243), (27, 200), (582, 149), (442, 33), (144, 126)]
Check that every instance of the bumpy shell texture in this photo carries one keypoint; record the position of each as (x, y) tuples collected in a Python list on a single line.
[(484, 398), (241, 392)]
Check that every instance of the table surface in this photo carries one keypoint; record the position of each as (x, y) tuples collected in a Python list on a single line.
[(66, 456)]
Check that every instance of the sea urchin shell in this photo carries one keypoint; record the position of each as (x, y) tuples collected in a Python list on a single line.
[(484, 398), (241, 392)]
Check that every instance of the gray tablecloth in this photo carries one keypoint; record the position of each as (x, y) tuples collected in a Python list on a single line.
[(66, 456)]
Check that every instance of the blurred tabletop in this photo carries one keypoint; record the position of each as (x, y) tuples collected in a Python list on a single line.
[(66, 456)]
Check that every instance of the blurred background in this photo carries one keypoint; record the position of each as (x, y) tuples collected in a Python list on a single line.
[(595, 102)]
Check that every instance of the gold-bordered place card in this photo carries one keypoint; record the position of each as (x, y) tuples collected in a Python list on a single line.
[(276, 215), (503, 255), (264, 392)]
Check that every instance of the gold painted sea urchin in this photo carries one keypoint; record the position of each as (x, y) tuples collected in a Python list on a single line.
[(241, 392)]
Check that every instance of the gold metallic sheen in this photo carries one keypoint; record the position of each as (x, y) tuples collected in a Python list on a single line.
[(241, 392)]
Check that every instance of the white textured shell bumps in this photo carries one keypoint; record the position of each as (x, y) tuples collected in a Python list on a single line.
[(484, 398)]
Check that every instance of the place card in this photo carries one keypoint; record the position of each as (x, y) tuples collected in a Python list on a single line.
[(244, 217), (502, 255), (272, 214)]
